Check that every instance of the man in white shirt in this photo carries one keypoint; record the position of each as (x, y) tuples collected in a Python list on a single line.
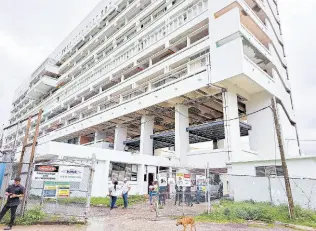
[(125, 190)]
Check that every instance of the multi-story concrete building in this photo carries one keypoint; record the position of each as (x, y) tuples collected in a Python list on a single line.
[(164, 83)]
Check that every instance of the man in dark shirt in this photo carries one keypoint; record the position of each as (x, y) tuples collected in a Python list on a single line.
[(14, 193)]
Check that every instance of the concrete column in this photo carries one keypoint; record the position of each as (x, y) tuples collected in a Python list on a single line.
[(140, 178), (146, 130), (99, 135), (262, 136), (120, 137), (106, 176), (188, 41), (101, 175), (181, 135), (231, 123), (169, 4)]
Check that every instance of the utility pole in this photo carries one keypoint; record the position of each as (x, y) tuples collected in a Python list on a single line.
[(283, 161)]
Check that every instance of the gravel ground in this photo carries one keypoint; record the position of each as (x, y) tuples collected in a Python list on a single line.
[(142, 217)]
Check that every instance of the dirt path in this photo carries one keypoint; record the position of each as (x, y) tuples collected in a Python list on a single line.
[(102, 224), (142, 218)]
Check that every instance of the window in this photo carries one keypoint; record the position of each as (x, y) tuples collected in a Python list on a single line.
[(120, 171), (272, 170)]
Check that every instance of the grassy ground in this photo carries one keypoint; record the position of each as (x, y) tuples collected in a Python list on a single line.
[(238, 212), (102, 201), (36, 215)]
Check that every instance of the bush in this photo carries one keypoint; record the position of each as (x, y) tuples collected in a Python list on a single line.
[(31, 217), (229, 211)]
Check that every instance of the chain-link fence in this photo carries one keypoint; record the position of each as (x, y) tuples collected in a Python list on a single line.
[(204, 188), (59, 187), (61, 196), (272, 190)]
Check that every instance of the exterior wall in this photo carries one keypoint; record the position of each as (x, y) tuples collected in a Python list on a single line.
[(297, 166), (272, 190)]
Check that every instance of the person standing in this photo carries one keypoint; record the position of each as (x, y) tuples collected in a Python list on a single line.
[(14, 193), (151, 189), (188, 198), (113, 194), (125, 190), (154, 194)]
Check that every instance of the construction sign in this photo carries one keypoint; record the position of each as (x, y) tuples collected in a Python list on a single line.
[(56, 189)]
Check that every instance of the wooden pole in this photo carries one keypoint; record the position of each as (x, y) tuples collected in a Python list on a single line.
[(35, 136), (284, 165), (24, 144), (30, 169)]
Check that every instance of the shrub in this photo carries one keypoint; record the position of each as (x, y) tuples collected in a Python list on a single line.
[(31, 217), (230, 211)]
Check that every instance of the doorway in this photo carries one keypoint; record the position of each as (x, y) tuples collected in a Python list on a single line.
[(150, 179)]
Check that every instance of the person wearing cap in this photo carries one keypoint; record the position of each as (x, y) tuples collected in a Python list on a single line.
[(125, 190), (14, 192)]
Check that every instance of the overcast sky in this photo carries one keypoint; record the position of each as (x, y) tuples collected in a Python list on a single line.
[(30, 30)]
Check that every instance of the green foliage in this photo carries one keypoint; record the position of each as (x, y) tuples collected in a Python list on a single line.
[(229, 211), (99, 201), (31, 217)]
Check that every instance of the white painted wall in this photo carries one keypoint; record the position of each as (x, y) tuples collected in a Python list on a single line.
[(257, 188)]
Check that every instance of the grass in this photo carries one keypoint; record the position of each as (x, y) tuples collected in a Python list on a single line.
[(101, 201), (239, 212), (32, 216)]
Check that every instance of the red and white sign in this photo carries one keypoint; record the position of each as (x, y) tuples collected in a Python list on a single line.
[(46, 172)]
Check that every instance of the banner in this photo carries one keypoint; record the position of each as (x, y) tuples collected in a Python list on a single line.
[(162, 181), (49, 190), (46, 172), (70, 173), (187, 180), (63, 189), (179, 179), (56, 189)]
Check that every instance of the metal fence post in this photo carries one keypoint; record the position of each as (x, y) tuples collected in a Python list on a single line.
[(270, 192), (183, 199), (208, 190), (92, 169)]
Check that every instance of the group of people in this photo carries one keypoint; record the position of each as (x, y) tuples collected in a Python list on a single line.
[(115, 191), (160, 193)]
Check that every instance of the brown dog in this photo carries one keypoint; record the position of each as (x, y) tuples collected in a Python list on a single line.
[(185, 222)]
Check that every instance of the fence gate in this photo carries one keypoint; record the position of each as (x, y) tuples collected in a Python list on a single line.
[(61, 187)]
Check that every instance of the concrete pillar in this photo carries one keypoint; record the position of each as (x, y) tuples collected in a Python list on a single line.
[(99, 135), (120, 137), (262, 136), (181, 135), (101, 175), (188, 41), (146, 130), (169, 4), (140, 178), (106, 175), (231, 123)]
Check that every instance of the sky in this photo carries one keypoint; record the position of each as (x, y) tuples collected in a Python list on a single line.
[(30, 31)]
